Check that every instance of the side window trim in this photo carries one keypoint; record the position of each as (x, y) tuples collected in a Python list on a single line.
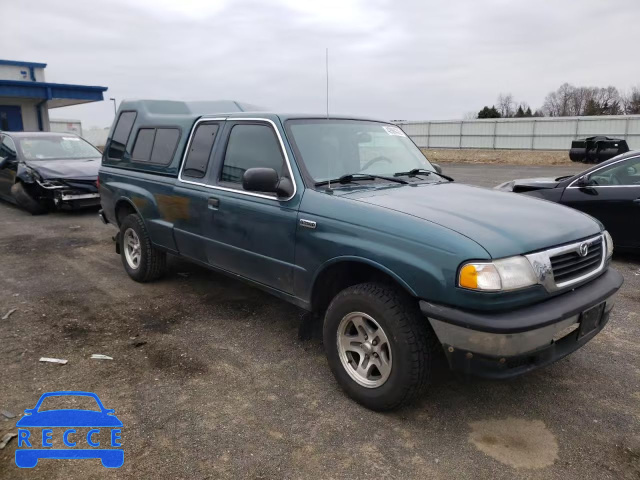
[(571, 185), (235, 190)]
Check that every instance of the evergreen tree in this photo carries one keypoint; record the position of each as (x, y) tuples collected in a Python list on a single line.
[(487, 112), (519, 112)]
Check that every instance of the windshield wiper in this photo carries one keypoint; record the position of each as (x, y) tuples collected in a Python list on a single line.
[(350, 177), (421, 171)]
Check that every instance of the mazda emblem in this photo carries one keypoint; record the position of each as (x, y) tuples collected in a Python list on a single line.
[(583, 249)]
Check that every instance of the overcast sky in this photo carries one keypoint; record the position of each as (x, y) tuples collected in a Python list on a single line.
[(388, 59)]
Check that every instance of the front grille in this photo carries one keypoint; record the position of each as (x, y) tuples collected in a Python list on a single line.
[(570, 266)]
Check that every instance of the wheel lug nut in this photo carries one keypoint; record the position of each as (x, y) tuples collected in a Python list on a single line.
[(375, 342)]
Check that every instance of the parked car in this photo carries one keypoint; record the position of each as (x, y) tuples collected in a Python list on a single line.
[(41, 171), (609, 192), (346, 218)]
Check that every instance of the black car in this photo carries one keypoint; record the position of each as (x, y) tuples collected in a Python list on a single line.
[(609, 191), (42, 171)]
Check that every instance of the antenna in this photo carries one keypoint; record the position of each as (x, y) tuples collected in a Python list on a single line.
[(327, 70)]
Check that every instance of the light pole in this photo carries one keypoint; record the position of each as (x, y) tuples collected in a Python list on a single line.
[(115, 110)]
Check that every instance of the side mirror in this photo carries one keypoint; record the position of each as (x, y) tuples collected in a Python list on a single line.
[(29, 411), (4, 162), (583, 181), (266, 180), (437, 167)]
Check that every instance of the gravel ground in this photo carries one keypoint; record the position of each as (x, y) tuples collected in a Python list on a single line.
[(509, 157), (211, 379)]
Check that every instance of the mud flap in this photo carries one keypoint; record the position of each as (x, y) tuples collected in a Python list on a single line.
[(116, 239)]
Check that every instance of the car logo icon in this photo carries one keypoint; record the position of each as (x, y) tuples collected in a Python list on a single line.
[(36, 433), (583, 249)]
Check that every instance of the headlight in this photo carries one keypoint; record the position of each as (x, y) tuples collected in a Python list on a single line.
[(609, 244), (499, 275)]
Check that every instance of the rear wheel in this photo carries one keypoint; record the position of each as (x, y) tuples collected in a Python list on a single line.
[(379, 347), (24, 199), (140, 259)]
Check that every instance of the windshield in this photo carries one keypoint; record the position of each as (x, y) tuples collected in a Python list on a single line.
[(56, 147), (332, 148)]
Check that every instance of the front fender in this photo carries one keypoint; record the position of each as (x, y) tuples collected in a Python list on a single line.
[(378, 266)]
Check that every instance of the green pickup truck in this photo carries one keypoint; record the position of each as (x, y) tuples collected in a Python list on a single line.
[(345, 217)]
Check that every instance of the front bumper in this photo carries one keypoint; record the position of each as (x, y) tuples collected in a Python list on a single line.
[(74, 200), (507, 344)]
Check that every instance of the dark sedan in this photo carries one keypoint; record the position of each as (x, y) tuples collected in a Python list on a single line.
[(609, 191), (42, 171)]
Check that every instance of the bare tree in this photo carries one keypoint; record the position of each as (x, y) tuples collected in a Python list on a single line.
[(506, 105), (631, 101), (558, 103)]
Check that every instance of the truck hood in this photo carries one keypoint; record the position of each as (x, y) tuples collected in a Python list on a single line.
[(84, 168), (504, 224), (526, 184)]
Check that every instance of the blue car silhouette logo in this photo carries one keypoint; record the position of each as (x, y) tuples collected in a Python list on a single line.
[(32, 446)]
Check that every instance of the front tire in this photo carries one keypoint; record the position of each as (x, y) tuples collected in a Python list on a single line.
[(140, 259), (379, 347)]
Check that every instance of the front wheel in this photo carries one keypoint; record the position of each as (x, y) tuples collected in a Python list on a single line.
[(379, 347), (140, 259)]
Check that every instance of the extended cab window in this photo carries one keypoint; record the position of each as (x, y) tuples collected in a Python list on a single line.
[(155, 145), (195, 165), (251, 146), (121, 134)]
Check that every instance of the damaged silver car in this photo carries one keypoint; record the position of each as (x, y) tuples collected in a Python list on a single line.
[(44, 171)]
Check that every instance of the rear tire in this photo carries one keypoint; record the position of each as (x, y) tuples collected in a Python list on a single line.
[(25, 200), (140, 259), (363, 314)]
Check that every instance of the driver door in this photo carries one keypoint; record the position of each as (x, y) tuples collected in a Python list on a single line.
[(612, 195), (9, 169)]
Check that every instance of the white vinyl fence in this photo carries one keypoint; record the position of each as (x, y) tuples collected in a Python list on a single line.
[(555, 133)]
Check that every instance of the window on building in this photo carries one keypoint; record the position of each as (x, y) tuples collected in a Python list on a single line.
[(200, 150), (251, 146), (121, 134)]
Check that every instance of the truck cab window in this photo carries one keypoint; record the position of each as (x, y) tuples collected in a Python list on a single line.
[(251, 146)]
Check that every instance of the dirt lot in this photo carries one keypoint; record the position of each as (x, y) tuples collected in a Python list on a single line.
[(507, 157), (211, 380)]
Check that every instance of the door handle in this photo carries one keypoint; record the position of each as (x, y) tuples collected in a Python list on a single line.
[(213, 203)]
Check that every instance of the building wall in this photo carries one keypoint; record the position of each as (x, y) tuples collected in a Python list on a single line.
[(555, 133), (21, 73), (65, 126), (29, 112)]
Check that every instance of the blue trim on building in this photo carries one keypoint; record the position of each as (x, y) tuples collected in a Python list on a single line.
[(45, 90), (17, 63)]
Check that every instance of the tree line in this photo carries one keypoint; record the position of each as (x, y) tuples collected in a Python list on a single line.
[(569, 101)]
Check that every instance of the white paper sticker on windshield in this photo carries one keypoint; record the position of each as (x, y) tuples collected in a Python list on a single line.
[(394, 131), (73, 139)]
